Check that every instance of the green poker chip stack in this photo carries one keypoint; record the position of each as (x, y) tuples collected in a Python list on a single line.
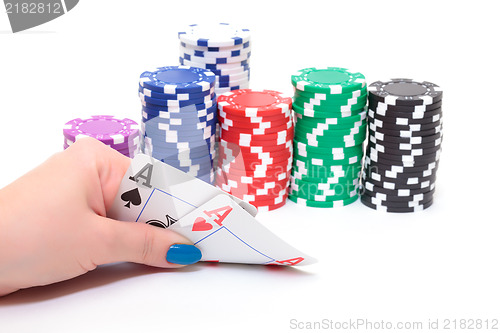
[(330, 128)]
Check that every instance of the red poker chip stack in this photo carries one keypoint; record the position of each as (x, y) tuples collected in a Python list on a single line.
[(255, 150)]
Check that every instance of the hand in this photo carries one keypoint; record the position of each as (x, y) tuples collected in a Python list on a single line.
[(53, 223)]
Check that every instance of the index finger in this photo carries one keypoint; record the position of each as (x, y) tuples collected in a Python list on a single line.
[(109, 165)]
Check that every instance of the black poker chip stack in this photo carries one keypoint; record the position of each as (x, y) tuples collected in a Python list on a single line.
[(404, 145)]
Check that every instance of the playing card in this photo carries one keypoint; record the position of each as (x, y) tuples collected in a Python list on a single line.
[(156, 193), (224, 232), (222, 226)]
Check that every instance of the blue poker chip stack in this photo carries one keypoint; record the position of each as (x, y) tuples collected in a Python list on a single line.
[(179, 118), (221, 48)]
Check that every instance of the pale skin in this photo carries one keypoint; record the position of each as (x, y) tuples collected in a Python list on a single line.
[(68, 234)]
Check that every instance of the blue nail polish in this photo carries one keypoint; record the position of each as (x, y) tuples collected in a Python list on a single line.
[(183, 254)]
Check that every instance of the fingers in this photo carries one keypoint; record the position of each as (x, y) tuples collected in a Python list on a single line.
[(7, 290), (144, 244), (124, 241)]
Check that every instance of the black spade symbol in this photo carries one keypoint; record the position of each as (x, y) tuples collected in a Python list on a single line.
[(132, 196)]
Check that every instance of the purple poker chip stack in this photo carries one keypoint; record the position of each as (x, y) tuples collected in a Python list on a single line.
[(120, 134)]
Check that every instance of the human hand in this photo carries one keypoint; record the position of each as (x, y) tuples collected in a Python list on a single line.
[(53, 223)]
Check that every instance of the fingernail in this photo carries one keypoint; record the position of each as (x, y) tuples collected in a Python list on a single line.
[(183, 254)]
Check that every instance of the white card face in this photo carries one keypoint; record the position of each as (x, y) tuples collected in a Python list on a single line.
[(224, 232), (156, 193)]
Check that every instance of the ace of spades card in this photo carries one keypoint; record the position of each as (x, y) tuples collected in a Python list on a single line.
[(221, 225)]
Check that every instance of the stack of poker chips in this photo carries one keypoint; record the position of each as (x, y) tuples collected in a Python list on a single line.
[(255, 151), (223, 49), (330, 129), (179, 118), (120, 134), (405, 133)]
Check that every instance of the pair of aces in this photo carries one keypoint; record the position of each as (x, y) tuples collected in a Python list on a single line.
[(223, 227)]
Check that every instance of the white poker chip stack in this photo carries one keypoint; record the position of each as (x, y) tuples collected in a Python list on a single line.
[(221, 48)]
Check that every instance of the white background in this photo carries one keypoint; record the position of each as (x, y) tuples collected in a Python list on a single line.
[(438, 264)]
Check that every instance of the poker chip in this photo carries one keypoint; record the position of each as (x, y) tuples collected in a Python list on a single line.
[(178, 80), (314, 103), (208, 52), (120, 134), (238, 64), (407, 132), (253, 122), (322, 204), (278, 137), (173, 102), (247, 177), (179, 118), (330, 141), (423, 116), (265, 128), (187, 96), (324, 185), (255, 167), (255, 151), (343, 122), (262, 187), (396, 201), (329, 175), (241, 84), (409, 207), (412, 151), (398, 170), (261, 148), (223, 49), (336, 153), (270, 157), (220, 91), (329, 107), (264, 208), (399, 191), (228, 78), (411, 183), (214, 35), (215, 60), (172, 119), (330, 80), (405, 92), (330, 97), (220, 71), (405, 161), (189, 111), (255, 103), (409, 109), (403, 120), (214, 48), (378, 124), (404, 145), (312, 108), (413, 140), (268, 174), (336, 192), (333, 112)]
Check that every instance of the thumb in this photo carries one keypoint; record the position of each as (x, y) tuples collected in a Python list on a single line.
[(146, 244)]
